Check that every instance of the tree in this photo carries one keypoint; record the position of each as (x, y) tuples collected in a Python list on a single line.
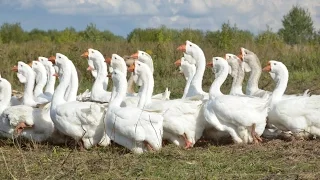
[(297, 26), (12, 33)]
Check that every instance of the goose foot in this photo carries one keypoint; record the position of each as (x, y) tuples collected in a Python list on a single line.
[(188, 143), (149, 147), (255, 136), (81, 147)]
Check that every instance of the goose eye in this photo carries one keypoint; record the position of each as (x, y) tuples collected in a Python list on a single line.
[(217, 59), (0, 80), (115, 58), (59, 57), (20, 65), (115, 73), (142, 53), (190, 45), (274, 63), (92, 52)]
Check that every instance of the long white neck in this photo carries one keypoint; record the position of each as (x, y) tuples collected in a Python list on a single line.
[(238, 76), (58, 96), (41, 80), (146, 89), (51, 80), (221, 76), (196, 83), (101, 78), (252, 85), (188, 73), (5, 97), (28, 89), (120, 90), (281, 80), (74, 84)]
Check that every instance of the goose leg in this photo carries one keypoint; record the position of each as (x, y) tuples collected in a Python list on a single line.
[(255, 137), (149, 147), (188, 143)]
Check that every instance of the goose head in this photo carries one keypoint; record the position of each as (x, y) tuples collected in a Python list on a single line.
[(141, 56), (189, 48), (23, 71), (248, 56), (117, 62), (93, 55), (38, 67), (139, 68), (219, 65), (275, 67), (42, 59)]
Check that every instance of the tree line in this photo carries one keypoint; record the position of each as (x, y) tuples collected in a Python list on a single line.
[(297, 28)]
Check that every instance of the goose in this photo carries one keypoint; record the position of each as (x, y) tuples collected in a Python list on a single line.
[(146, 58), (41, 80), (138, 130), (183, 122), (98, 93), (83, 121), (26, 76), (196, 84), (252, 65), (51, 79), (300, 115), (188, 71), (72, 89), (244, 118), (237, 71)]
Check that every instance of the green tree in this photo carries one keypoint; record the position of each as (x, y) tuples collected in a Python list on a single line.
[(12, 33), (297, 26)]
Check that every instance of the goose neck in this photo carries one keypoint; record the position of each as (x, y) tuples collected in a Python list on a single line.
[(41, 80), (147, 89), (281, 84), (51, 80), (221, 76), (119, 88)]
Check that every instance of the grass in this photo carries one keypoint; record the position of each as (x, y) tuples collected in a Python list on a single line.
[(272, 160)]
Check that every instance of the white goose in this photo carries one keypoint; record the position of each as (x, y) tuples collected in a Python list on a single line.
[(237, 71), (299, 114), (188, 71), (72, 89), (51, 79), (79, 120), (196, 84), (243, 117), (98, 93), (41, 80), (132, 127)]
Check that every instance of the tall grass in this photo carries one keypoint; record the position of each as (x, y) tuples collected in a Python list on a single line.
[(302, 61)]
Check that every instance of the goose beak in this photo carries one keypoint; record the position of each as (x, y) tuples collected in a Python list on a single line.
[(56, 75), (210, 64), (89, 68), (135, 55), (14, 68), (131, 68), (267, 68), (240, 56), (182, 48), (109, 75), (52, 59), (20, 127), (30, 64), (85, 54), (178, 62), (108, 60)]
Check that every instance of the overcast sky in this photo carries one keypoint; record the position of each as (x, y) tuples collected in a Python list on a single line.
[(122, 16)]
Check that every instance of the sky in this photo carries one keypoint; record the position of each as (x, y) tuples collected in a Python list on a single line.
[(122, 16)]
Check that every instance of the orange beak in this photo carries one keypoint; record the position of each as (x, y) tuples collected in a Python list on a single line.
[(30, 64), (178, 62), (182, 48), (240, 56), (89, 68), (108, 60), (210, 64), (85, 54), (131, 68), (135, 55), (14, 68), (19, 128), (267, 68), (52, 59), (56, 75)]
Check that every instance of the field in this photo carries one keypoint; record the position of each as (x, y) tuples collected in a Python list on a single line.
[(274, 159)]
